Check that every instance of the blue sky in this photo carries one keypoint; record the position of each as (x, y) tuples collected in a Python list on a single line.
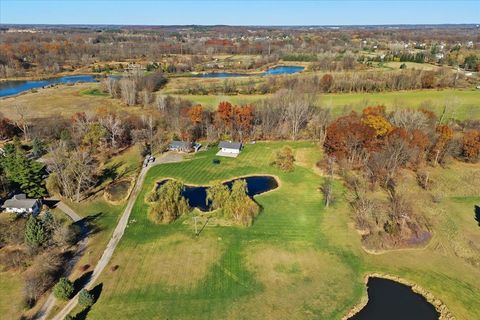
[(239, 12)]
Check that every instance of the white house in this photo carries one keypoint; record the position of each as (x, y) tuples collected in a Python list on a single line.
[(20, 204), (229, 149)]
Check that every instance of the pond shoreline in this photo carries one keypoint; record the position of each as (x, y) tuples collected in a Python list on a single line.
[(187, 193), (439, 306)]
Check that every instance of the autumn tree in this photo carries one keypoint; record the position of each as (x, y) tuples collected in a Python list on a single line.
[(384, 164), (326, 82), (243, 119), (7, 129), (349, 138), (224, 117), (471, 145), (196, 114), (444, 135), (428, 79), (375, 118)]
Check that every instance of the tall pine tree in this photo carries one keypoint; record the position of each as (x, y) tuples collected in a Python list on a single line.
[(26, 173)]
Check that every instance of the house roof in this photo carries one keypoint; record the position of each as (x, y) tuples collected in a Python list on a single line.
[(180, 144), (230, 145), (19, 201)]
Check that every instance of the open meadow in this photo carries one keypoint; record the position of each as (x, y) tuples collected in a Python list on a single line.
[(298, 260), (458, 104)]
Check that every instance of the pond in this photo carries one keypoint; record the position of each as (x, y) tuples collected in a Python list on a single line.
[(10, 88), (392, 300), (118, 191), (197, 195), (270, 72)]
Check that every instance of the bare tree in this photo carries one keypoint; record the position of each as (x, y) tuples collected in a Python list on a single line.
[(83, 168), (23, 121), (74, 172), (297, 108), (327, 186), (113, 124), (128, 91)]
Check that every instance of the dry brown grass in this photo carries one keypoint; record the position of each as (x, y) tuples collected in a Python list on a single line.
[(61, 100)]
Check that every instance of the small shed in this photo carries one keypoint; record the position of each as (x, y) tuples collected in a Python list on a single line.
[(229, 149), (20, 204)]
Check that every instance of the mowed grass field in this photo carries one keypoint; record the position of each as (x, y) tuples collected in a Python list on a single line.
[(460, 104), (298, 260)]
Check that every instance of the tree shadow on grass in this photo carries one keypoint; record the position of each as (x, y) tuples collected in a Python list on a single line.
[(477, 214), (96, 291), (110, 172), (90, 223), (80, 282)]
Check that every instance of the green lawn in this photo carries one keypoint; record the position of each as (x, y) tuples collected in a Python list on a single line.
[(461, 104), (298, 261)]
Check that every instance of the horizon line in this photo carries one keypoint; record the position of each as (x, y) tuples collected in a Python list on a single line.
[(476, 24)]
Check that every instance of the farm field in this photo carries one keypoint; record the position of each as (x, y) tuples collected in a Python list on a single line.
[(298, 260)]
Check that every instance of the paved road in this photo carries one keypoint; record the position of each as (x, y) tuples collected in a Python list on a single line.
[(117, 233)]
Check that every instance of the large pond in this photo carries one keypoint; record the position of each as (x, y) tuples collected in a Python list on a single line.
[(197, 195), (391, 300), (10, 88), (270, 72)]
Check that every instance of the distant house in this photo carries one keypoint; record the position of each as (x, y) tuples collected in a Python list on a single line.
[(180, 146), (20, 204), (229, 149), (183, 146)]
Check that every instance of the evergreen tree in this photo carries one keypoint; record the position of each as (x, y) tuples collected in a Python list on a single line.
[(35, 233), (63, 290), (22, 171), (38, 149), (85, 298)]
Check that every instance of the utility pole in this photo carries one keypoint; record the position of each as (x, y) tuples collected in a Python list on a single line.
[(195, 220)]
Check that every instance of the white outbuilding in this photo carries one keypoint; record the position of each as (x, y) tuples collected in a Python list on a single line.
[(229, 149)]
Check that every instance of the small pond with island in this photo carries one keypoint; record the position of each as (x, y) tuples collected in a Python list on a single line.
[(197, 195)]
